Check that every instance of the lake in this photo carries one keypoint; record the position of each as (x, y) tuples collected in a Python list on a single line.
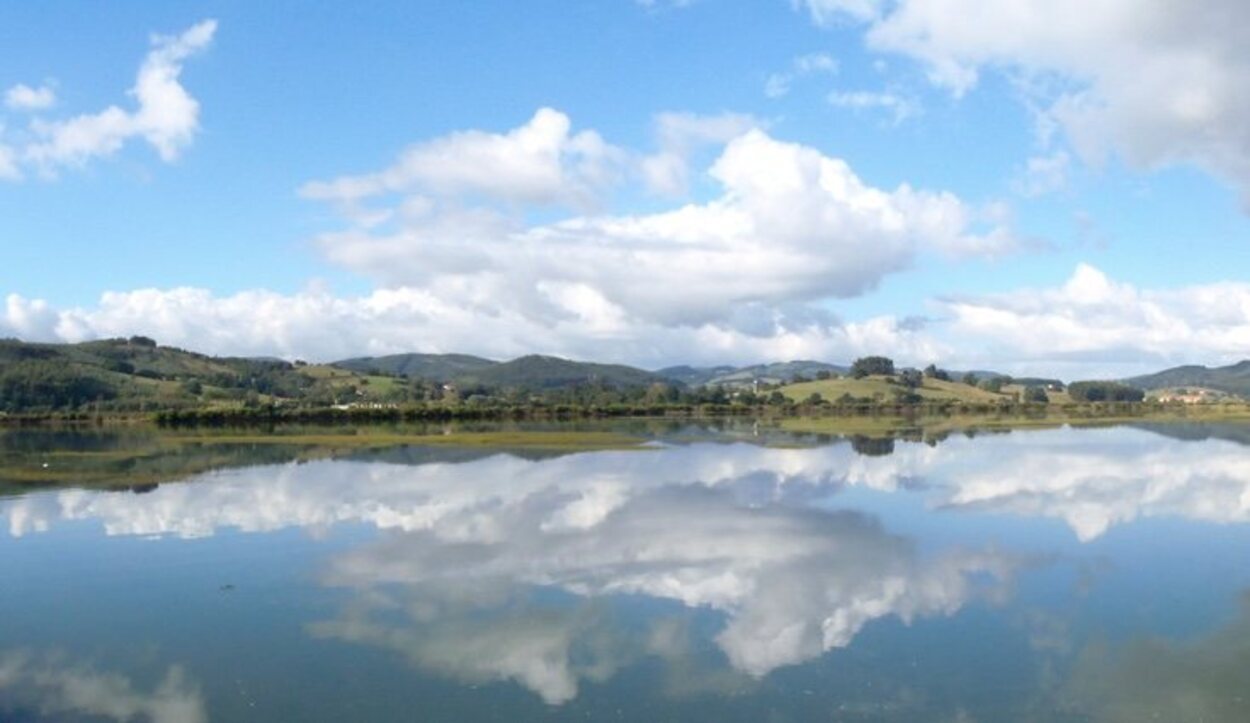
[(733, 572)]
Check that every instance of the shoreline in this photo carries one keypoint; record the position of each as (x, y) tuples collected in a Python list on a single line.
[(277, 416)]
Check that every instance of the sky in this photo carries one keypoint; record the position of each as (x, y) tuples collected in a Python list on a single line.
[(1049, 187)]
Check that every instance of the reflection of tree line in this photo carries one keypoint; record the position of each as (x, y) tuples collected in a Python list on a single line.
[(136, 460)]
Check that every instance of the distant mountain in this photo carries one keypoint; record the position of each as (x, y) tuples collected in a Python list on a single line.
[(694, 376), (431, 367), (774, 373), (548, 372), (532, 372), (1233, 379)]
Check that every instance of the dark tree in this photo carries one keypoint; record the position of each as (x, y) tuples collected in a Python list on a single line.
[(910, 378), (870, 365), (1104, 392), (1035, 395)]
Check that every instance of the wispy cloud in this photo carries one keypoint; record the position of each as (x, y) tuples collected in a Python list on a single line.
[(166, 116)]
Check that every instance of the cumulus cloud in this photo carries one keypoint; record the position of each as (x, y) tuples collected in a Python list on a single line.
[(1094, 321), (56, 687), (680, 135), (1092, 325), (23, 97), (791, 227), (316, 324), (165, 115), (484, 242), (1154, 82), (541, 162)]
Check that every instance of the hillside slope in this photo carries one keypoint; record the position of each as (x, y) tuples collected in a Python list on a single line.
[(537, 372), (1233, 379), (881, 387), (431, 367)]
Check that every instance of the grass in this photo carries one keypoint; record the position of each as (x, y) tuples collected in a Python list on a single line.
[(872, 387)]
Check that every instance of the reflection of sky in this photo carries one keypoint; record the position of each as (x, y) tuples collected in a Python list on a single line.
[(774, 543), (792, 582), (54, 687)]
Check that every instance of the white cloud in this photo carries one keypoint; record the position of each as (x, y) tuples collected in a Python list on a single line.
[(778, 84), (1089, 326), (1155, 82), (541, 162), (318, 325), (483, 242), (680, 135), (1094, 323), (790, 227), (739, 277), (166, 116), (899, 107), (23, 97)]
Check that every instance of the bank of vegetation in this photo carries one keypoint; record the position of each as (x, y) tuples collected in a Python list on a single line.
[(136, 379)]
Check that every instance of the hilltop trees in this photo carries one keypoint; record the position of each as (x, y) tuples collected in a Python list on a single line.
[(1036, 395), (1104, 392), (869, 365)]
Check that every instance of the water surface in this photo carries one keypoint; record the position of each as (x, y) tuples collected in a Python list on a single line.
[(711, 574)]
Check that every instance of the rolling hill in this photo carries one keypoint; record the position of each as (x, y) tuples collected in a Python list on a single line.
[(431, 367), (1232, 379), (534, 372), (935, 390), (539, 373), (137, 373), (775, 373)]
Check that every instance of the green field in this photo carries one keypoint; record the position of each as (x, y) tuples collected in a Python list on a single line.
[(880, 387)]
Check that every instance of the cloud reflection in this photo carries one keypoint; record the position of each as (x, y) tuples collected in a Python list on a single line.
[(791, 582), (49, 685)]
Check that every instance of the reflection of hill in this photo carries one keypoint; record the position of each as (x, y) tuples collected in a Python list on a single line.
[(1197, 431), (1155, 679)]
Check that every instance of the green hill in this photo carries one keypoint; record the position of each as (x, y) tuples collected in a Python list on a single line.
[(774, 373), (136, 373), (431, 367), (1232, 379), (694, 376), (539, 373)]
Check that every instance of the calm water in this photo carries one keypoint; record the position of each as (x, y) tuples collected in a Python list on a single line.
[(1095, 574)]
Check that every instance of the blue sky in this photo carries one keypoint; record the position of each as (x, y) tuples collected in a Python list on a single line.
[(1049, 189)]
